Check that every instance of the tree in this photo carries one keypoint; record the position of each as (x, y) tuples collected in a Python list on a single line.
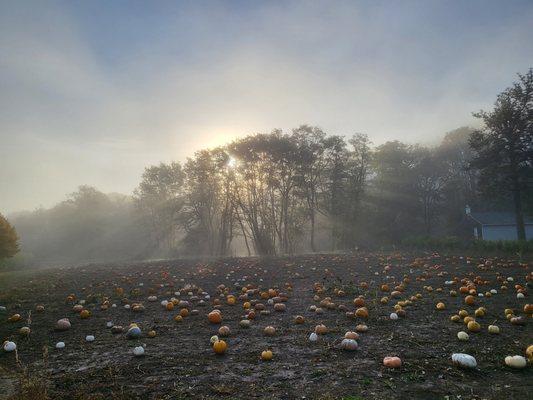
[(503, 148), (159, 198), (8, 239)]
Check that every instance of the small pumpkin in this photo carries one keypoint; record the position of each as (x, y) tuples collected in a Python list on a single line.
[(215, 317), (392, 362), (464, 360), (321, 329), (515, 362), (269, 331), (349, 344), (224, 331), (220, 347), (267, 355), (473, 326)]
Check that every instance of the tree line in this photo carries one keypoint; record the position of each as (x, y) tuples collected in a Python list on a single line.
[(303, 190)]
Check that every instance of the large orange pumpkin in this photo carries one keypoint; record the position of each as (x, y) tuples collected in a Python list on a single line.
[(214, 317)]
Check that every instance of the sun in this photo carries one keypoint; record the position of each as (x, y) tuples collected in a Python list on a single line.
[(232, 162)]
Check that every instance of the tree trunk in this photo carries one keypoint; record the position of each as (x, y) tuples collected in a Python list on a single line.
[(313, 249)]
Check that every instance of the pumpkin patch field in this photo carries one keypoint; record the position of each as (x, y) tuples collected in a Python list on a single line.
[(357, 326)]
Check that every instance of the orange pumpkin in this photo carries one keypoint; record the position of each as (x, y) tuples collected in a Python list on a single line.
[(215, 317), (392, 362), (220, 347)]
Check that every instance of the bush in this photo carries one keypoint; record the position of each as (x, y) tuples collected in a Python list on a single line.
[(452, 243)]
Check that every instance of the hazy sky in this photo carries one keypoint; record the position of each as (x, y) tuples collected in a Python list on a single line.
[(91, 92)]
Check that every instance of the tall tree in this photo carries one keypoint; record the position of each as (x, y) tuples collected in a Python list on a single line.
[(503, 149)]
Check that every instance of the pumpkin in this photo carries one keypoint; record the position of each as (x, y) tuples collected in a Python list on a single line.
[(280, 307), (213, 339), (152, 334), (455, 318), (63, 324), (462, 336), (529, 352), (441, 306), (269, 331), (39, 308), (463, 313), (14, 318), (133, 332), (392, 362), (215, 317), (349, 344), (89, 338), (313, 337), (245, 323), (528, 309), (321, 329), (117, 329), (464, 360), (494, 329), (515, 361), (24, 331), (299, 320), (184, 312), (351, 335), (9, 346), (470, 300), (518, 321), (220, 347), (473, 326), (359, 302), (266, 355), (361, 328), (169, 306), (138, 351), (361, 312), (393, 316), (224, 331), (60, 345)]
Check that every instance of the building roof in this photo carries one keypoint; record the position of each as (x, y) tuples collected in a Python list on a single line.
[(497, 218)]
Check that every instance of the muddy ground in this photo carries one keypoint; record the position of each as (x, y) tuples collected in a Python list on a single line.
[(180, 363)]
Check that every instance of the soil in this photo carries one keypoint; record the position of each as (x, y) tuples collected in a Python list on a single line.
[(180, 363)]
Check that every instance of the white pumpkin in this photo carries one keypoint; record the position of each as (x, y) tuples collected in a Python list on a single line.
[(9, 346), (213, 339), (89, 338), (393, 316), (349, 344), (462, 336), (138, 351), (313, 337), (464, 360), (515, 361), (60, 345)]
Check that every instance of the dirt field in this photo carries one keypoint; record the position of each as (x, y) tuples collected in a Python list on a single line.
[(180, 363)]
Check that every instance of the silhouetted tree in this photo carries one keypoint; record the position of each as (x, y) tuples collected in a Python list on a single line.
[(503, 149)]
